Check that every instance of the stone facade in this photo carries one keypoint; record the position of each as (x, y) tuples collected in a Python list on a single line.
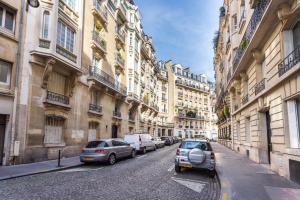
[(257, 79)]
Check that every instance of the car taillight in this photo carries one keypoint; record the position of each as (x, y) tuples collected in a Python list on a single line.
[(100, 150), (212, 155), (177, 152)]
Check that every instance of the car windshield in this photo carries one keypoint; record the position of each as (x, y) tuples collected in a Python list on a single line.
[(163, 138), (195, 144), (94, 144)]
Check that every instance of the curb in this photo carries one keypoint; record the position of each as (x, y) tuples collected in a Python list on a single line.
[(39, 172)]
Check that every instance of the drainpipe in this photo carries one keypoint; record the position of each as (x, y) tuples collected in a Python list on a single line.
[(16, 92)]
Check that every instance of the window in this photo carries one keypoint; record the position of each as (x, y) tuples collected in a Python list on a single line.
[(95, 144), (70, 3), (247, 129), (53, 130), (45, 30), (92, 134), (293, 108), (95, 62), (65, 36), (130, 84), (57, 83), (95, 97), (296, 33), (5, 73), (7, 18), (234, 23)]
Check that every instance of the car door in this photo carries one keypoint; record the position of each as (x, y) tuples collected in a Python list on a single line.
[(117, 148), (126, 148)]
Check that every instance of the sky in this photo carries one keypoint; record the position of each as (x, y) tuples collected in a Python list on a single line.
[(182, 31)]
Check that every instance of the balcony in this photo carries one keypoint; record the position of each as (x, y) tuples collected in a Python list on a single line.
[(66, 53), (95, 109), (120, 35), (245, 99), (106, 80), (99, 42), (67, 11), (117, 114), (250, 30), (191, 86), (43, 43), (100, 10), (57, 99), (289, 62), (260, 86), (119, 61)]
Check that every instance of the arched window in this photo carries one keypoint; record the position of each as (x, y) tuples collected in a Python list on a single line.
[(45, 30), (296, 34)]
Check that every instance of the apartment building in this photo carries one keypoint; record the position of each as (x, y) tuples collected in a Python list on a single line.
[(11, 18), (190, 102), (257, 81)]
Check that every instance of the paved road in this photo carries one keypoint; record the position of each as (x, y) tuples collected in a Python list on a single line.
[(149, 176)]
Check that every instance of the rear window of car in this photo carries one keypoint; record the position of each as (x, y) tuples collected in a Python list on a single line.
[(195, 144), (94, 144), (164, 138)]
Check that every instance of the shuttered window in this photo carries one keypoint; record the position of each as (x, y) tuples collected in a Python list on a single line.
[(57, 83), (53, 130), (92, 133), (293, 108)]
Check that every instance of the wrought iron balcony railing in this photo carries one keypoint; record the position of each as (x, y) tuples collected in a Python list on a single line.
[(289, 62), (260, 86), (117, 114), (99, 41), (58, 98), (95, 108), (245, 99), (250, 30), (107, 80), (102, 11)]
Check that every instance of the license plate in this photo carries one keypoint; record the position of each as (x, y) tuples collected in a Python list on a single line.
[(186, 165), (89, 158)]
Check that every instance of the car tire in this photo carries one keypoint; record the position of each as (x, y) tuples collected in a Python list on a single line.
[(212, 173), (112, 159), (177, 168), (144, 151), (133, 153)]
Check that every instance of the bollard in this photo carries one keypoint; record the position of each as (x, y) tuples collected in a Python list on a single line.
[(58, 161)]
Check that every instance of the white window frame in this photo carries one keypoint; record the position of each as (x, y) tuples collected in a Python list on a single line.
[(7, 83), (67, 29), (54, 128), (5, 8), (44, 27)]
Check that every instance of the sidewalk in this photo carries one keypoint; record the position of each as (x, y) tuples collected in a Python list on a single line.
[(14, 171), (243, 179)]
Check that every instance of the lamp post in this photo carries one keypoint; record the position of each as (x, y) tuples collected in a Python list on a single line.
[(33, 3)]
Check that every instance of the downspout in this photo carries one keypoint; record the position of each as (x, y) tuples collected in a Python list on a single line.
[(18, 61)]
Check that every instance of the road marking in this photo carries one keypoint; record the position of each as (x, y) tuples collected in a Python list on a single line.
[(171, 168), (80, 169), (191, 184), (138, 157)]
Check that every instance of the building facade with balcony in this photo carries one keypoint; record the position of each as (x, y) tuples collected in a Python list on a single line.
[(190, 107), (12, 15), (257, 82)]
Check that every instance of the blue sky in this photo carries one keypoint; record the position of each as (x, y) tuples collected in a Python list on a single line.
[(182, 30)]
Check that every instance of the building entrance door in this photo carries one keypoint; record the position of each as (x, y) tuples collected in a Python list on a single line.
[(114, 131), (269, 134), (2, 136)]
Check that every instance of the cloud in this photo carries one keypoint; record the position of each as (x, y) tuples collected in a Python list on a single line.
[(182, 31)]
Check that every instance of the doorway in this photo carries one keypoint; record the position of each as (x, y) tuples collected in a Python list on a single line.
[(269, 135), (114, 131), (2, 136)]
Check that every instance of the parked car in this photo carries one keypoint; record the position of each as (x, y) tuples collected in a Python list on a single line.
[(158, 142), (195, 153), (106, 151), (140, 142), (167, 140), (176, 140)]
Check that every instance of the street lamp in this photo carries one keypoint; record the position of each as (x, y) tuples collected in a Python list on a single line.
[(33, 3)]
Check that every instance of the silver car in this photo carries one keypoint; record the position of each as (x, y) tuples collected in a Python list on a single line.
[(195, 153), (106, 151)]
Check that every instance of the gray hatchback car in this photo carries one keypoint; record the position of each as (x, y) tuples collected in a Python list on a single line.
[(195, 153), (106, 151)]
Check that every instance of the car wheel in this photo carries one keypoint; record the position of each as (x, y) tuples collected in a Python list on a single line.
[(144, 150), (132, 154), (112, 159), (177, 168), (212, 173)]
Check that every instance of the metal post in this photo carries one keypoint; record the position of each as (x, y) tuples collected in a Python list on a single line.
[(58, 161)]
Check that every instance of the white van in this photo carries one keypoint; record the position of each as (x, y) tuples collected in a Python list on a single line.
[(141, 142)]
